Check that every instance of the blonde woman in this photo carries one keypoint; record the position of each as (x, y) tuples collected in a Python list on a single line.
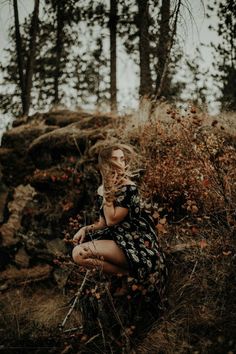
[(124, 240)]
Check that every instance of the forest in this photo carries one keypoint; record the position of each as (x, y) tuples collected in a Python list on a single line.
[(61, 86)]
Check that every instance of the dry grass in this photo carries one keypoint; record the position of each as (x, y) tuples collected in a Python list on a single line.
[(189, 179), (189, 182), (34, 312)]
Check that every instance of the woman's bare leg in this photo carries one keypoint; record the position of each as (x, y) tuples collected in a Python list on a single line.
[(103, 266), (104, 254)]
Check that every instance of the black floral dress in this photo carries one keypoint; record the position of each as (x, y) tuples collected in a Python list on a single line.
[(142, 300), (136, 236)]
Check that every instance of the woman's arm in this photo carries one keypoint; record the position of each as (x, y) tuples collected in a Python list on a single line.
[(100, 224), (80, 235), (114, 215)]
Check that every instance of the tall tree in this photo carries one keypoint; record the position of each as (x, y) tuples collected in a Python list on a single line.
[(59, 41), (26, 73), (19, 51), (113, 33), (162, 48), (60, 20), (226, 58), (145, 88), (31, 57)]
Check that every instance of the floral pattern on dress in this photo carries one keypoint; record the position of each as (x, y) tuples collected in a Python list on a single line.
[(136, 235)]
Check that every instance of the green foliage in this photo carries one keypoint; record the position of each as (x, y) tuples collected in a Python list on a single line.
[(226, 56)]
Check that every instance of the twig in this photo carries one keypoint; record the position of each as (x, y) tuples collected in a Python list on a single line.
[(73, 329), (77, 296), (127, 339), (195, 265), (103, 336), (92, 338)]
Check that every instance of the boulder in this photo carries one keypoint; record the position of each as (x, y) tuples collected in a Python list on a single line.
[(64, 117), (3, 202), (49, 148), (9, 229), (20, 137), (22, 258), (13, 276)]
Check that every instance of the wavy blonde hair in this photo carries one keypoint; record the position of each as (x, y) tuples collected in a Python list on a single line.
[(112, 173)]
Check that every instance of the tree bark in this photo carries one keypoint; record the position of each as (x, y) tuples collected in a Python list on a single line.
[(113, 82), (163, 47), (31, 57), (145, 88), (19, 54), (159, 89), (60, 6)]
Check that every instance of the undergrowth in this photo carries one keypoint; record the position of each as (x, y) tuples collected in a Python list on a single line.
[(188, 184)]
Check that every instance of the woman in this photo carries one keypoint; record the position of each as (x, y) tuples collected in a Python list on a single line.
[(124, 240)]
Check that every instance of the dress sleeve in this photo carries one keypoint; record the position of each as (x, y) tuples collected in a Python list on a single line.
[(125, 196)]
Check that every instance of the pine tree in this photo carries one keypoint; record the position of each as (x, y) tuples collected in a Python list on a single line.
[(227, 52), (113, 50)]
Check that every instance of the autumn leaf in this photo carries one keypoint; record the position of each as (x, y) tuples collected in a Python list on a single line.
[(162, 221), (203, 244), (134, 287), (161, 228), (53, 178), (194, 209), (206, 182), (194, 230)]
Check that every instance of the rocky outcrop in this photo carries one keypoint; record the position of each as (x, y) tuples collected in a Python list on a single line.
[(8, 230), (45, 186)]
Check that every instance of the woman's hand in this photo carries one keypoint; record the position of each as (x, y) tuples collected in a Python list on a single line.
[(80, 235)]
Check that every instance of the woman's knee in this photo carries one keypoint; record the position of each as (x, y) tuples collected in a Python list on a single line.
[(79, 254)]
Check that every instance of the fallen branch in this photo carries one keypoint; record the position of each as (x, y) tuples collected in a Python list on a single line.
[(77, 296)]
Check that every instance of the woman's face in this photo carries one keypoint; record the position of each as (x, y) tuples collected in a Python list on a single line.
[(118, 157)]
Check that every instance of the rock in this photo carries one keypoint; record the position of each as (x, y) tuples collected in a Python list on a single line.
[(95, 122), (11, 158), (6, 154), (13, 152), (61, 276), (56, 247), (20, 137), (22, 258), (50, 147), (8, 230), (50, 151), (13, 276), (64, 117), (3, 202)]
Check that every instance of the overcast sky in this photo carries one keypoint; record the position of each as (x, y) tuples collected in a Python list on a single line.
[(193, 30)]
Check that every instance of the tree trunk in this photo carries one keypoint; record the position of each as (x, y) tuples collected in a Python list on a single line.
[(19, 54), (31, 56), (159, 88), (163, 47), (60, 6), (112, 26), (145, 88)]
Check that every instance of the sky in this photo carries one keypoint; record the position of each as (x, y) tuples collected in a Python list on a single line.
[(192, 31)]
